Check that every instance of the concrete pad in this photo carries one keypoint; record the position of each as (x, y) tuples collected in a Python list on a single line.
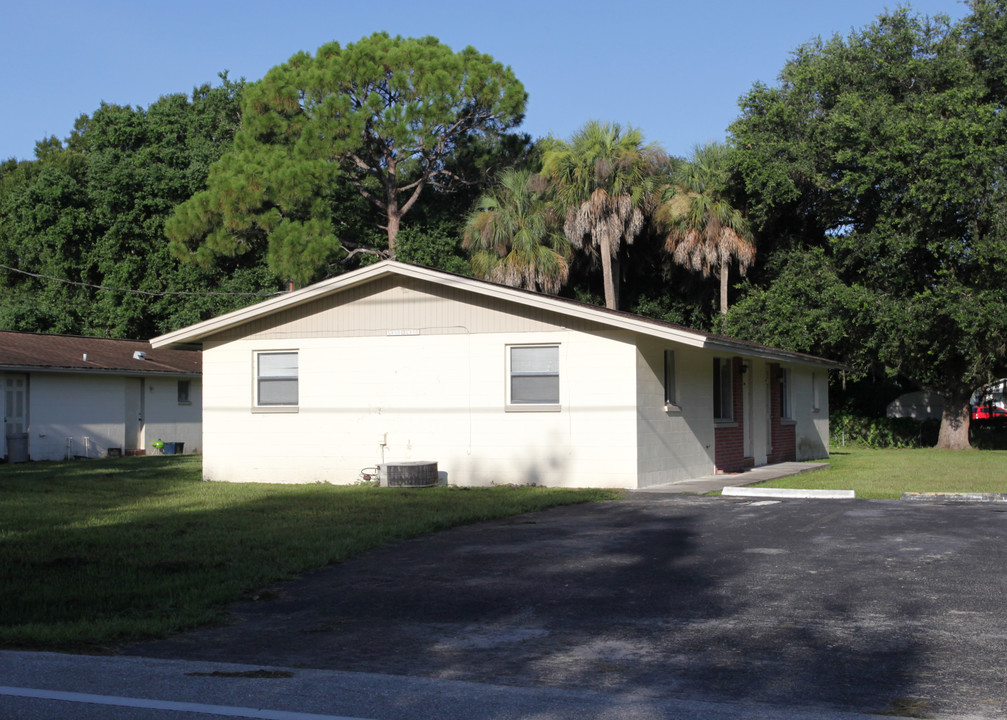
[(713, 483), (789, 493)]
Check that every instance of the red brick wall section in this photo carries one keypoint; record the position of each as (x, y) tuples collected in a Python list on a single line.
[(784, 435), (729, 441)]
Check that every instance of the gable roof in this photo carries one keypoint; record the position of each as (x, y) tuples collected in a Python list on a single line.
[(562, 306), (73, 353)]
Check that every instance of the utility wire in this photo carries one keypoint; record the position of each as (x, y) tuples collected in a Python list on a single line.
[(138, 292)]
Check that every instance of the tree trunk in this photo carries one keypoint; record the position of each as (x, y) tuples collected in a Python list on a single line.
[(954, 433), (724, 270), (393, 230), (611, 300)]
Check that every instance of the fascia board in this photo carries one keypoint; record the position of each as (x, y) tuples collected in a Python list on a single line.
[(51, 370)]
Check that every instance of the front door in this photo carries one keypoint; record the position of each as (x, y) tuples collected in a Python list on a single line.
[(134, 413), (747, 407)]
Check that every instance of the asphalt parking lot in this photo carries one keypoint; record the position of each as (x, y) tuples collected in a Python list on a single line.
[(864, 606)]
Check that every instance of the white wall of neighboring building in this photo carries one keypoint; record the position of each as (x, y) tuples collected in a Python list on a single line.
[(436, 397), (167, 419), (78, 415), (74, 415)]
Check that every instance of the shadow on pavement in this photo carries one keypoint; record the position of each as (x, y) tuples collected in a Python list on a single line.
[(685, 597)]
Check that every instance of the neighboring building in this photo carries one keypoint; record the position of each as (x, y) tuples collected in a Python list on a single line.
[(394, 362), (74, 397)]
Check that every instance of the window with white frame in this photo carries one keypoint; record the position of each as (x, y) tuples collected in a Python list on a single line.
[(785, 406), (815, 399), (533, 375), (723, 389), (276, 379), (670, 386)]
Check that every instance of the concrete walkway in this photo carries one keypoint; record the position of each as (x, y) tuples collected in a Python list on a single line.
[(712, 483)]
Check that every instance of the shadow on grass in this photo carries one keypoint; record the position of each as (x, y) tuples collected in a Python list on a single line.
[(97, 552)]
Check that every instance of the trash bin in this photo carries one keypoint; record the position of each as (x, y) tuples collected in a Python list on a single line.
[(17, 447), (173, 448)]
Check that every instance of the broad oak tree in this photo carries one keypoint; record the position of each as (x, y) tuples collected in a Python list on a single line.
[(884, 154), (385, 114)]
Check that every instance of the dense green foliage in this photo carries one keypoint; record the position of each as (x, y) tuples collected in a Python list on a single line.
[(876, 167), (92, 211), (384, 118), (515, 234), (103, 551)]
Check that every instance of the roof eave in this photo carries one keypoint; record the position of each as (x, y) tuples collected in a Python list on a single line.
[(99, 371)]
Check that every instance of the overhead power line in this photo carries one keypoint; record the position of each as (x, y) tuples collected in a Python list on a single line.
[(150, 293)]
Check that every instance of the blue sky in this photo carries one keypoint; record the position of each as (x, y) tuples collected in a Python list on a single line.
[(673, 69)]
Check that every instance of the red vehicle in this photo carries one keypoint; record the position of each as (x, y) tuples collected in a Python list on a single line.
[(989, 403)]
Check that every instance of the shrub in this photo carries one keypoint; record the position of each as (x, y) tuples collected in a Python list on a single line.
[(850, 428)]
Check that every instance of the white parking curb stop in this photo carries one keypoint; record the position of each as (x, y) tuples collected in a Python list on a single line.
[(742, 491)]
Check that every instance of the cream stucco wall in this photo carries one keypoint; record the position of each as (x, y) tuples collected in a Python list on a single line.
[(675, 443), (810, 397), (437, 397), (400, 369)]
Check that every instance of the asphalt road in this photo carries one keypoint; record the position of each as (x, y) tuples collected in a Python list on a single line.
[(658, 601)]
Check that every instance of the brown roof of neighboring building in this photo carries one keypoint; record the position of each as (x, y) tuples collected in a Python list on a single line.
[(33, 351)]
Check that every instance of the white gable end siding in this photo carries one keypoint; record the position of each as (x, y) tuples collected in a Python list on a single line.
[(673, 444), (393, 304)]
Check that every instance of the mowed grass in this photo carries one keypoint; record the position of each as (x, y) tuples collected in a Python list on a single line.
[(889, 473), (94, 553)]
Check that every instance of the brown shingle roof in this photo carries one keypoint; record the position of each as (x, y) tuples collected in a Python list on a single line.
[(32, 351)]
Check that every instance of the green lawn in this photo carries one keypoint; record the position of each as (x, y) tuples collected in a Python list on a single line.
[(101, 551), (889, 473)]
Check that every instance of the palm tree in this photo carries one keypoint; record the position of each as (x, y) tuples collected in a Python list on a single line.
[(604, 178), (704, 232), (514, 235)]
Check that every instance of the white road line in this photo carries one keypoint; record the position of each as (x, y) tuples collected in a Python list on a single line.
[(225, 710)]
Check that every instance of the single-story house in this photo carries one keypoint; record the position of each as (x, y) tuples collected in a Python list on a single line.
[(397, 363), (74, 397)]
